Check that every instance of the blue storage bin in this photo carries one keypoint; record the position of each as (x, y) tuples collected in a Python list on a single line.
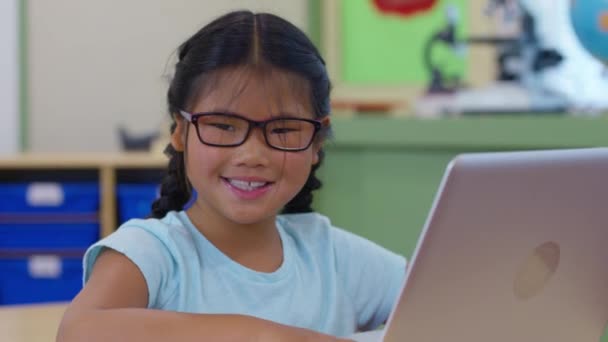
[(39, 278), (135, 200), (48, 197), (48, 235)]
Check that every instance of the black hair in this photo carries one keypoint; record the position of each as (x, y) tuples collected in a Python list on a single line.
[(242, 38)]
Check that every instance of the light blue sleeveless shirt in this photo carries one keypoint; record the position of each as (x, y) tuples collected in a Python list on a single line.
[(330, 281)]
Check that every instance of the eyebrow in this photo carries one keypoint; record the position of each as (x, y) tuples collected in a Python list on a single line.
[(281, 115)]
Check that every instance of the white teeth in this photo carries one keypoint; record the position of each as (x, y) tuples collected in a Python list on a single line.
[(244, 185)]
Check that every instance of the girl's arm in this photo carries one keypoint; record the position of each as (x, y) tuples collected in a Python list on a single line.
[(112, 307)]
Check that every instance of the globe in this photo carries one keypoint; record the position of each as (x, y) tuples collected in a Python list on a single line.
[(590, 21)]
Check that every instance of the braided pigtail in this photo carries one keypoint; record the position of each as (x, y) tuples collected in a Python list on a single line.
[(174, 191)]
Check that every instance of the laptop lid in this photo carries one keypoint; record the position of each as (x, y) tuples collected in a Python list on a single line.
[(515, 248)]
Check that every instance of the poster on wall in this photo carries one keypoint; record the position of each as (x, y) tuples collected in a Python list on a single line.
[(9, 77)]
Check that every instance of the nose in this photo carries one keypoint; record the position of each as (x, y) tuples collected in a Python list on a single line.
[(254, 151)]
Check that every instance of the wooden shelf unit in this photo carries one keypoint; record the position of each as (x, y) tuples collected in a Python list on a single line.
[(107, 169)]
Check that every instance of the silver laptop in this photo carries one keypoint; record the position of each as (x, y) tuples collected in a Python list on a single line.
[(515, 248)]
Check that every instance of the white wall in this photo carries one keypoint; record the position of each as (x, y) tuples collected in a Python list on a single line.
[(96, 64), (9, 73)]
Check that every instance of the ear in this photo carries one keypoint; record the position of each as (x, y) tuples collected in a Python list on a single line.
[(316, 147), (178, 137)]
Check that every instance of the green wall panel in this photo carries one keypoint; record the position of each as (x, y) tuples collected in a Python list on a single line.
[(387, 49)]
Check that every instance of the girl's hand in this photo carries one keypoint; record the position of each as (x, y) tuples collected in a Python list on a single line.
[(284, 333), (312, 336)]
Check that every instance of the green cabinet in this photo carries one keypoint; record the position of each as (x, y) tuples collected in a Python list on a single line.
[(381, 174)]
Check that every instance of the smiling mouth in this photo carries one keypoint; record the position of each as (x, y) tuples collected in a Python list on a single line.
[(246, 185)]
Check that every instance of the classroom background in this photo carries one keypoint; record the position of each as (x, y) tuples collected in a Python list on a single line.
[(84, 117)]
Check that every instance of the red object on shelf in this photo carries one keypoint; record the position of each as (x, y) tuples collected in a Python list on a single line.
[(404, 7)]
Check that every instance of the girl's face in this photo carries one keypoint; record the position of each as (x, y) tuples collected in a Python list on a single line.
[(250, 183)]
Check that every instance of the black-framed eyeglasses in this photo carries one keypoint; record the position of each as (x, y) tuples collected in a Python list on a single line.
[(230, 130)]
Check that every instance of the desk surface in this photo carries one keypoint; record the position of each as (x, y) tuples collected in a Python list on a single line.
[(30, 323)]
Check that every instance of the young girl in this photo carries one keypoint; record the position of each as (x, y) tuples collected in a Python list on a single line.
[(250, 103)]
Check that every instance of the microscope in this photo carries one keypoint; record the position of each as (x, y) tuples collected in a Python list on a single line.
[(518, 57)]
